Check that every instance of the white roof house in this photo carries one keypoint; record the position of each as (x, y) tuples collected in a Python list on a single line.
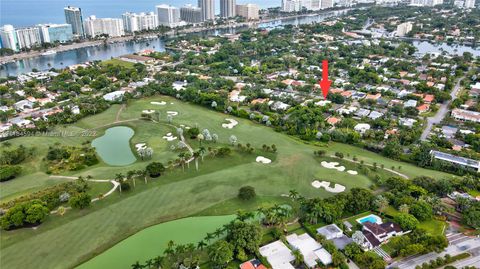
[(330, 232), (114, 96), (410, 103), (362, 127), (278, 255), (309, 249)]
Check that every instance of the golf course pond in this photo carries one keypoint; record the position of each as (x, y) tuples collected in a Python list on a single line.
[(152, 241), (114, 146)]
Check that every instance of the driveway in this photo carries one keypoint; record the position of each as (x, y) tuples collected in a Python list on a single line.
[(441, 113)]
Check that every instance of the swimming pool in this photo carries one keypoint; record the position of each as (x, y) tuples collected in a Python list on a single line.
[(370, 218)]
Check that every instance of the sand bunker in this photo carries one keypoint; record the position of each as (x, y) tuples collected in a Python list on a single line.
[(140, 146), (172, 113), (351, 172), (232, 123), (333, 165), (169, 137), (261, 159), (150, 111), (162, 103), (326, 185)]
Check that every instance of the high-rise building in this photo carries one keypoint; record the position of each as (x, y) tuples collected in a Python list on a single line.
[(133, 22), (326, 4), (208, 9), (8, 37), (469, 4), (291, 5), (167, 15), (73, 16), (103, 26), (404, 28), (28, 37), (191, 14), (50, 33), (248, 11), (228, 8)]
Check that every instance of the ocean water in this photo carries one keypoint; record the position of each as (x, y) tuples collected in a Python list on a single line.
[(31, 12)]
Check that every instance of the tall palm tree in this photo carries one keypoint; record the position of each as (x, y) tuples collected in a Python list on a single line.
[(131, 176), (202, 152), (119, 178), (201, 245), (293, 194), (137, 265), (209, 237), (196, 154), (181, 158), (157, 262), (149, 263)]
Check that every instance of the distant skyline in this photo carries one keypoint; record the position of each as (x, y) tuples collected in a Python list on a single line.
[(30, 12)]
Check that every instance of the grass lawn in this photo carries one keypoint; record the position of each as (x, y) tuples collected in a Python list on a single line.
[(118, 62), (67, 241), (152, 241), (433, 226)]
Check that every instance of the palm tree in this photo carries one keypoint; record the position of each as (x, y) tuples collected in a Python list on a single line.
[(149, 263), (119, 178), (187, 156), (201, 245), (293, 194), (131, 176), (157, 262), (209, 237), (196, 154), (298, 256), (137, 265), (181, 158), (218, 232), (144, 174), (202, 152)]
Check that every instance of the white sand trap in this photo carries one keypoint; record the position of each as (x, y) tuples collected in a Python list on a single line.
[(232, 123), (172, 113), (162, 103), (326, 185), (150, 111), (140, 146), (171, 103), (351, 172), (169, 137), (261, 159), (333, 165)]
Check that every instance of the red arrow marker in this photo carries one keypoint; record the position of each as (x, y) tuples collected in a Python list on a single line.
[(325, 83)]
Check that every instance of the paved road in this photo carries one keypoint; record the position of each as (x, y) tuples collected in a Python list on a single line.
[(457, 246), (441, 113)]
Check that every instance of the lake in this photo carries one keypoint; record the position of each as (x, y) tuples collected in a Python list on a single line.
[(152, 241), (114, 146)]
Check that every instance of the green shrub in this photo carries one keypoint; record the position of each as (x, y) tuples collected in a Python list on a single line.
[(8, 172)]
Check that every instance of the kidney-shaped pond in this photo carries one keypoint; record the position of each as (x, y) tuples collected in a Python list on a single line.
[(114, 146)]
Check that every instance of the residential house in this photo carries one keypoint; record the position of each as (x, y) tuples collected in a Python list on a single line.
[(311, 250), (278, 255), (335, 234), (453, 159), (375, 115), (362, 127), (375, 234), (23, 104), (252, 264), (114, 96), (466, 115)]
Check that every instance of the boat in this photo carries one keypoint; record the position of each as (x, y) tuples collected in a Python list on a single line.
[(49, 52)]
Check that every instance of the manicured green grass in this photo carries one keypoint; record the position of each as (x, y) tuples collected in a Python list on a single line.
[(152, 241), (231, 206), (433, 226), (64, 242), (118, 62)]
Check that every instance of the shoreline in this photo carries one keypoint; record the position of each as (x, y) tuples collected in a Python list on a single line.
[(173, 32)]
